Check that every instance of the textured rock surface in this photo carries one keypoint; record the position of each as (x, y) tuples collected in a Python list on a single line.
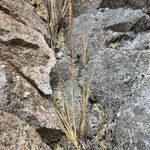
[(25, 45), (16, 134), (25, 64), (22, 99), (133, 130), (24, 13), (119, 44), (81, 6), (122, 3), (117, 33), (108, 34)]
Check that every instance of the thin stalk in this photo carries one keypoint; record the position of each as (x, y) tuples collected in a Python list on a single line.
[(73, 97), (85, 50), (85, 97), (73, 85)]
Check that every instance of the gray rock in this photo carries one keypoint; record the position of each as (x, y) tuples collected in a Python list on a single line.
[(133, 129), (118, 49), (24, 13), (81, 6), (16, 134), (20, 98), (122, 3), (113, 3), (139, 3), (25, 45), (116, 73), (118, 20), (118, 58), (3, 81)]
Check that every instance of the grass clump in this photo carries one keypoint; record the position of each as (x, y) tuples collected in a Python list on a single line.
[(74, 126)]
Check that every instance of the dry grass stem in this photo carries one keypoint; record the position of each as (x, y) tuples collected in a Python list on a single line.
[(68, 117), (85, 50)]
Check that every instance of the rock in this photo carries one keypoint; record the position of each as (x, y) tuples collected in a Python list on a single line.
[(148, 11), (115, 71), (20, 98), (119, 72), (3, 82), (138, 3), (24, 13), (120, 27), (50, 136), (25, 65), (112, 3), (122, 3), (133, 129), (118, 20), (139, 43), (25, 45), (16, 134), (142, 24), (80, 7), (117, 41)]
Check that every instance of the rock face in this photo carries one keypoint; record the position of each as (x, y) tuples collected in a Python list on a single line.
[(16, 134), (24, 13), (81, 6), (22, 99), (118, 48), (24, 45), (134, 121), (117, 34), (122, 3), (25, 64), (119, 45), (109, 33)]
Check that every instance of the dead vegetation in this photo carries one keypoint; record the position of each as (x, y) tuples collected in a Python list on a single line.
[(57, 11), (74, 129)]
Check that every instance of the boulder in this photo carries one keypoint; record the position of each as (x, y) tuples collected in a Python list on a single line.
[(20, 98), (23, 12), (116, 35), (133, 129), (16, 134), (25, 64), (109, 33), (80, 7), (26, 49), (138, 3), (118, 49), (118, 20)]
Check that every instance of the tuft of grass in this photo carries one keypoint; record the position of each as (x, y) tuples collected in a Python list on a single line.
[(67, 125), (74, 130), (56, 14), (86, 91)]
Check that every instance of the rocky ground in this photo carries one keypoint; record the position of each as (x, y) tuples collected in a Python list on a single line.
[(117, 33)]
